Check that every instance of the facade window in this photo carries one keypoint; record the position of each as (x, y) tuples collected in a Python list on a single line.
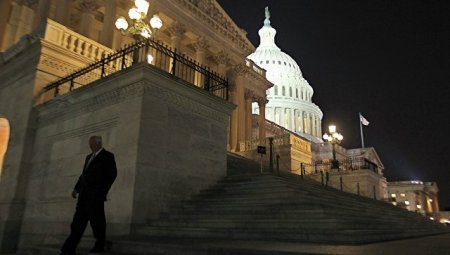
[(283, 91), (4, 139), (276, 90), (267, 61), (296, 93), (290, 91)]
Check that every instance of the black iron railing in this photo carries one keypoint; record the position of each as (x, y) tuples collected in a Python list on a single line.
[(346, 165), (163, 58)]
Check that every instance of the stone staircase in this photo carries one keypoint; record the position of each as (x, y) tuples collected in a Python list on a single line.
[(269, 207), (250, 206)]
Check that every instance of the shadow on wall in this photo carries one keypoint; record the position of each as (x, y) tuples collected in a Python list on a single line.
[(4, 138)]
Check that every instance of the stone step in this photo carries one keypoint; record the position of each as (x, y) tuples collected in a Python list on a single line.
[(275, 213), (257, 224), (349, 236)]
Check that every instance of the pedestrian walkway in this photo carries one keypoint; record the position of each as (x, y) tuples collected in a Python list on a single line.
[(429, 245)]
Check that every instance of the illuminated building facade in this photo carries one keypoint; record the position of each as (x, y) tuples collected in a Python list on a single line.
[(290, 99), (416, 196), (167, 126)]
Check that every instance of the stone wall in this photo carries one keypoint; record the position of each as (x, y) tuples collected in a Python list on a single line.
[(169, 139), (17, 78)]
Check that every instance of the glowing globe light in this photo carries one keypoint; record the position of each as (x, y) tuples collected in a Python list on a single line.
[(134, 14), (121, 23), (142, 6), (156, 22)]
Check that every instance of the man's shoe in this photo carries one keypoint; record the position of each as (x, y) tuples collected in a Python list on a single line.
[(97, 250)]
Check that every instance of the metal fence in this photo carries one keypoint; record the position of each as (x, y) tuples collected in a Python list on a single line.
[(162, 57), (346, 165)]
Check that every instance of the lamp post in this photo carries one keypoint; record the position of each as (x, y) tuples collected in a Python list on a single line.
[(138, 28), (333, 138)]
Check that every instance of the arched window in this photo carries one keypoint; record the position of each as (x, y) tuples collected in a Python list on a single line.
[(4, 138), (283, 91), (296, 93), (290, 91), (276, 90)]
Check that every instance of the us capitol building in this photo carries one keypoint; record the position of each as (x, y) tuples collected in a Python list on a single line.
[(290, 99), (172, 86)]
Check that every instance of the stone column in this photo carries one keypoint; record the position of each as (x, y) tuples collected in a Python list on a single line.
[(233, 136), (63, 12), (107, 33), (201, 46), (5, 9), (237, 128), (305, 123), (248, 115), (21, 17), (176, 31), (88, 7), (222, 60), (262, 120), (41, 14), (313, 125), (292, 119)]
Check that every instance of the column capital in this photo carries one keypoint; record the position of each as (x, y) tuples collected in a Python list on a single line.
[(240, 69), (250, 95), (262, 101), (176, 29), (201, 44), (28, 3), (222, 58), (89, 6)]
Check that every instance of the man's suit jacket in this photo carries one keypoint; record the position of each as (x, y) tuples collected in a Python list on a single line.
[(98, 176)]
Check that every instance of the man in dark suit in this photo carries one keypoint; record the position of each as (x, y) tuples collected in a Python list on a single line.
[(99, 173)]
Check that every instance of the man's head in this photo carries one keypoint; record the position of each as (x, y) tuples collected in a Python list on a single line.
[(95, 143)]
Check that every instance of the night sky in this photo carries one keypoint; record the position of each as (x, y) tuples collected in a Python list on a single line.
[(388, 59)]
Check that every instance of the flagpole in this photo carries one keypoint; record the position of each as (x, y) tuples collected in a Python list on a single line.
[(360, 127)]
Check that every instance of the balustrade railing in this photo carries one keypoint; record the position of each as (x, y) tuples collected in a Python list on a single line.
[(163, 58), (255, 67), (253, 144), (74, 42)]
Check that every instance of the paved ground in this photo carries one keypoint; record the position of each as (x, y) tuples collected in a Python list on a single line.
[(431, 245)]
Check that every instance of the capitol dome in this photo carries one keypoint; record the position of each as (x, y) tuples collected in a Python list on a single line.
[(290, 99)]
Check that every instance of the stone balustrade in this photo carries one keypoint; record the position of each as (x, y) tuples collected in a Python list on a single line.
[(286, 139), (74, 42), (255, 67)]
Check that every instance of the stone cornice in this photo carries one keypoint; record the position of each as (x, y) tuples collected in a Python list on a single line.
[(211, 12), (121, 87)]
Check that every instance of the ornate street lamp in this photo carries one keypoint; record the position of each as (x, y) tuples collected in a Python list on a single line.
[(333, 138), (138, 28)]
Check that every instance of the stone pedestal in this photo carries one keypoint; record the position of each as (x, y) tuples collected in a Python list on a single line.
[(169, 139)]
